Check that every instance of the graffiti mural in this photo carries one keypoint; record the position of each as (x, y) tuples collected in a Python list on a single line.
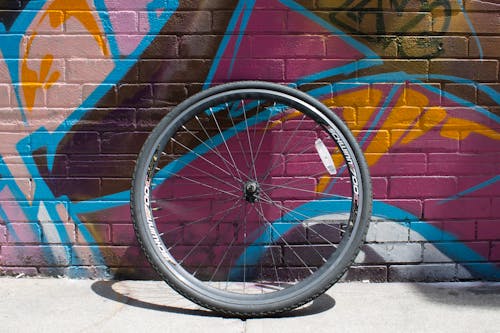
[(83, 82)]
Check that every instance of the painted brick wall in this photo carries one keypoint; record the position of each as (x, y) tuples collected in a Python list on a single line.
[(83, 82)]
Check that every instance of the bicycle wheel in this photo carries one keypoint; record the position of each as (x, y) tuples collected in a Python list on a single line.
[(251, 198)]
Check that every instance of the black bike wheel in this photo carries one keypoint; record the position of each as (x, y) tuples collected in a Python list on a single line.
[(251, 198)]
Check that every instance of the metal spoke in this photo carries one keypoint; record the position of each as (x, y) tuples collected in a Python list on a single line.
[(220, 262), (252, 167), (240, 173), (286, 145), (281, 207), (237, 136), (223, 138), (205, 185), (227, 250), (200, 156), (286, 243), (200, 196), (245, 252), (216, 152), (155, 217), (275, 186), (271, 249), (189, 165), (209, 231), (188, 224), (261, 141), (305, 238), (216, 149)]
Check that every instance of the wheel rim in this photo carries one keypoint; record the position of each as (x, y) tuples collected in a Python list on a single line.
[(238, 195)]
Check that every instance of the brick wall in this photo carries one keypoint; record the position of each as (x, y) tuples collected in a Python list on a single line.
[(82, 83)]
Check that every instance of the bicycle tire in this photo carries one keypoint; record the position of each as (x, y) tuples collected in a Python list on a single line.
[(223, 226)]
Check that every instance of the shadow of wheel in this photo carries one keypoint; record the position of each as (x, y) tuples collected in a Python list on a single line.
[(158, 296)]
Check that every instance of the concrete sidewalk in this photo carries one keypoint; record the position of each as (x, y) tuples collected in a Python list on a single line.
[(57, 305)]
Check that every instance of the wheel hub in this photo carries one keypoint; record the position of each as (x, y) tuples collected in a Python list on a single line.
[(251, 190)]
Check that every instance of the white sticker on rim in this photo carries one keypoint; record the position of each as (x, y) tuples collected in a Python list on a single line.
[(325, 156)]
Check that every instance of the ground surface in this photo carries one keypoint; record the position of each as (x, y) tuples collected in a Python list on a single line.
[(56, 305)]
